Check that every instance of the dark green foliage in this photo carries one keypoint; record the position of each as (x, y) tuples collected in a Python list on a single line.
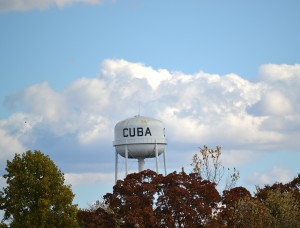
[(277, 205), (283, 202), (35, 195)]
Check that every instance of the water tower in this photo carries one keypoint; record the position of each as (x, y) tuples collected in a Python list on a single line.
[(139, 138)]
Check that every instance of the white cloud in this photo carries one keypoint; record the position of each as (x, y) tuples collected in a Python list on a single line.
[(199, 109), (93, 129), (92, 90), (121, 69), (276, 103), (281, 95), (15, 133), (75, 125), (23, 5), (273, 72), (276, 174), (237, 158), (44, 101), (279, 102), (76, 179), (9, 145)]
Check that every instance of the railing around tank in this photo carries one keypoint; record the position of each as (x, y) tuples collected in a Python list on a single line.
[(140, 141)]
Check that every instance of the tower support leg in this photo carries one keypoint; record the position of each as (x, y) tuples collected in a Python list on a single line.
[(126, 160), (116, 167), (141, 162), (156, 156), (165, 167)]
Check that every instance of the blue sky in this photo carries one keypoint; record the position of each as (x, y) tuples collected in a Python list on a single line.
[(221, 73)]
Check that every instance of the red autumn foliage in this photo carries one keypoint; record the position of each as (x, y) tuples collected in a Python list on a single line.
[(99, 218), (148, 199)]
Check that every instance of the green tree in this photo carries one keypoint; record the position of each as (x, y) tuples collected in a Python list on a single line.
[(292, 187), (284, 209), (250, 212), (35, 195), (283, 202), (239, 209)]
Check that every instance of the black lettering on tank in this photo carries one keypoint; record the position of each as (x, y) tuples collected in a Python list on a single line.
[(125, 132), (131, 132), (148, 132), (139, 131)]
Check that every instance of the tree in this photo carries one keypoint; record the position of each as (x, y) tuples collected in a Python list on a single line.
[(250, 212), (209, 167), (35, 195), (97, 215), (185, 201), (99, 218), (240, 209), (292, 187), (295, 184), (232, 196), (283, 207), (132, 199), (283, 202), (147, 199)]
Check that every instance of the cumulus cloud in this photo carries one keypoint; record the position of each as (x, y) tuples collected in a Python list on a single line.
[(238, 158), (9, 145), (23, 5), (126, 70), (281, 72), (198, 109), (274, 103), (279, 102), (75, 179), (14, 133), (280, 96), (276, 174)]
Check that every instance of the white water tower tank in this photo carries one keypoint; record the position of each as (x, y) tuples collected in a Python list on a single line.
[(139, 137)]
